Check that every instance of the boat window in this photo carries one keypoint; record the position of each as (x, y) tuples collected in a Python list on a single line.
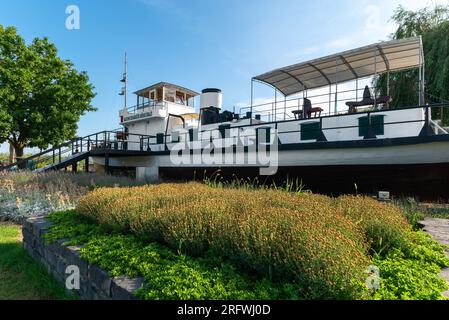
[(180, 97), (170, 95), (175, 136), (310, 131), (377, 124), (159, 94)]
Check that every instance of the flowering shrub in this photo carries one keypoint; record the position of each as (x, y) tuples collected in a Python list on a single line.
[(283, 236), (274, 244), (384, 226), (167, 275)]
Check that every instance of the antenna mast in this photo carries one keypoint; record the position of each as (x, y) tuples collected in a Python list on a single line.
[(125, 81)]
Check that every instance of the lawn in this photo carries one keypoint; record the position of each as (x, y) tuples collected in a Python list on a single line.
[(21, 278)]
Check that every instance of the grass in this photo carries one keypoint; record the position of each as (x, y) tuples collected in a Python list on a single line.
[(21, 278)]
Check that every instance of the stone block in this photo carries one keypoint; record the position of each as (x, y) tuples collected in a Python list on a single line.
[(39, 224), (123, 288), (27, 235), (72, 255), (100, 279), (50, 257)]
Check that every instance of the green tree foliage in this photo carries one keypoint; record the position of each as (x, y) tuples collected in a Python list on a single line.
[(42, 97), (433, 25)]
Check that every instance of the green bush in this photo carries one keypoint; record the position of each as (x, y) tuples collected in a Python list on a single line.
[(412, 272), (409, 272), (384, 225), (286, 237), (167, 275)]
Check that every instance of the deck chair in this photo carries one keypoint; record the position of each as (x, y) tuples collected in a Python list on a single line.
[(367, 100), (309, 110)]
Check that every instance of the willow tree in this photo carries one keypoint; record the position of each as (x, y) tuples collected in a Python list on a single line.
[(42, 96), (433, 25)]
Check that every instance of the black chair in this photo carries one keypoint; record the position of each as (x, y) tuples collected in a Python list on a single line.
[(367, 100), (309, 110)]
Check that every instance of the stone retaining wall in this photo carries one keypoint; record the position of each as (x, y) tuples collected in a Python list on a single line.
[(95, 283)]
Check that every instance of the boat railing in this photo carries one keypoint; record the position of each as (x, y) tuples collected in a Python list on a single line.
[(103, 141), (279, 110), (428, 126), (151, 105)]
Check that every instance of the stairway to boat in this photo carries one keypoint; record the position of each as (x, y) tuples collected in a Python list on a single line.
[(71, 153)]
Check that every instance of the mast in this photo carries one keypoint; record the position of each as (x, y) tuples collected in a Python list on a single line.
[(124, 91)]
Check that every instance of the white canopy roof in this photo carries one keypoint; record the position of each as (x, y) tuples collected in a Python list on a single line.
[(366, 61)]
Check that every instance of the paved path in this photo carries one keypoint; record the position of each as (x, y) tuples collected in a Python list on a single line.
[(439, 230)]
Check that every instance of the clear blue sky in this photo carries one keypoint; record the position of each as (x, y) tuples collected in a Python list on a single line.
[(197, 44)]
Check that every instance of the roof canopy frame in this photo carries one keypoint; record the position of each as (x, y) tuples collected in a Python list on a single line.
[(360, 77), (390, 56)]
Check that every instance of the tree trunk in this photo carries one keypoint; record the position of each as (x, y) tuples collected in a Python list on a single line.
[(12, 154), (19, 148), (19, 151)]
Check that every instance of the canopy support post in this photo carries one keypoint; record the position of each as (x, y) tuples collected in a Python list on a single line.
[(252, 97), (285, 107), (275, 102), (375, 76), (388, 83), (357, 89), (336, 86), (421, 78)]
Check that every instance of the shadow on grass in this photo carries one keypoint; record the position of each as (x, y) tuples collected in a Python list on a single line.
[(21, 278)]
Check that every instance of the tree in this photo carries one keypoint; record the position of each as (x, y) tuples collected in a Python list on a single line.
[(433, 26), (42, 97)]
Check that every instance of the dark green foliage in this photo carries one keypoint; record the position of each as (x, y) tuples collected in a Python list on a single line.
[(167, 275), (412, 273), (433, 26), (409, 271), (42, 97)]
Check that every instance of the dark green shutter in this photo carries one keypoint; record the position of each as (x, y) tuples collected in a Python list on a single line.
[(310, 131), (222, 128), (160, 138), (191, 137), (377, 123)]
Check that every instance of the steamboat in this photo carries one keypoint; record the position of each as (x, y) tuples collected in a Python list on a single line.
[(326, 127)]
